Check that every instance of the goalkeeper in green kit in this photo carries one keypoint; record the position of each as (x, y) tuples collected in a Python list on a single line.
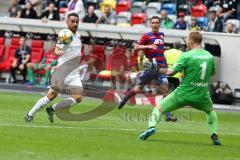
[(198, 67)]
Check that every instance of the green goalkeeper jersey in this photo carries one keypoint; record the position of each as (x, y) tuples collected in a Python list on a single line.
[(198, 67)]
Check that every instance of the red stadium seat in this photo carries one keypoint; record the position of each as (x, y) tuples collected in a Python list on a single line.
[(2, 40), (123, 5), (2, 48), (15, 42), (37, 44), (37, 51), (138, 18), (114, 64), (99, 52), (118, 50), (7, 58), (199, 10), (37, 54), (63, 10)]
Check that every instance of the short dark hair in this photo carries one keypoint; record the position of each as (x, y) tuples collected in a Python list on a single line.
[(154, 17), (52, 3), (91, 5), (72, 14), (24, 37)]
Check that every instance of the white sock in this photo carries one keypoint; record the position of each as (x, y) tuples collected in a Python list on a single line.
[(40, 103), (68, 102)]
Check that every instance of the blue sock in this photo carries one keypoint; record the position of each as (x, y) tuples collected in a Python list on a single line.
[(168, 114)]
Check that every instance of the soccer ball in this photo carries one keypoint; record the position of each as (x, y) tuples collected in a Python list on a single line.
[(65, 36)]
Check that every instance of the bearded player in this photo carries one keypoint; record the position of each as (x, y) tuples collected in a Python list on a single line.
[(66, 77)]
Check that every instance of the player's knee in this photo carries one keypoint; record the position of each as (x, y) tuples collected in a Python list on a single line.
[(138, 88), (29, 65), (78, 98), (52, 95)]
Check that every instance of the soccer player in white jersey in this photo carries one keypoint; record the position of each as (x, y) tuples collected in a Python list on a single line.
[(66, 77)]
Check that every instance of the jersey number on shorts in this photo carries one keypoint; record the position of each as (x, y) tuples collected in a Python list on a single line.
[(203, 71)]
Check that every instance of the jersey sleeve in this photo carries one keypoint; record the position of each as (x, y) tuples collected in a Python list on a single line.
[(143, 40), (180, 64)]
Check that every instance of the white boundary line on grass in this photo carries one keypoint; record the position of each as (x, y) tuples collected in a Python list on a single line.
[(107, 129)]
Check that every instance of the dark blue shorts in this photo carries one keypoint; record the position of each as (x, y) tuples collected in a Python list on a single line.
[(147, 75)]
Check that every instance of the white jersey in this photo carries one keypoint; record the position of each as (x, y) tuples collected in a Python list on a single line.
[(70, 51)]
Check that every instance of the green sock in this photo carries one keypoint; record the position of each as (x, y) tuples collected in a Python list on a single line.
[(47, 76), (213, 121), (30, 75), (154, 118)]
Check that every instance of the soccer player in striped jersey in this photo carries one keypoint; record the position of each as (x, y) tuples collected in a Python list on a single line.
[(153, 45)]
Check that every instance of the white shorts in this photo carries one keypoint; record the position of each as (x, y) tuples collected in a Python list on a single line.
[(73, 79)]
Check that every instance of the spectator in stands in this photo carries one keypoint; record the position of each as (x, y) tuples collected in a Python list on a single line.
[(21, 58), (37, 6), (229, 28), (50, 14), (76, 6), (165, 21), (181, 23), (29, 12), (15, 9), (193, 26), (215, 23), (108, 17), (49, 60), (229, 9), (91, 17)]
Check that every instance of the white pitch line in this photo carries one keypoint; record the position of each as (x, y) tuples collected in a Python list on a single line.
[(109, 129)]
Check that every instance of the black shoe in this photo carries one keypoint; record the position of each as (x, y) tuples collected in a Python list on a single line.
[(121, 104), (215, 139), (171, 118), (13, 81), (28, 118), (50, 113)]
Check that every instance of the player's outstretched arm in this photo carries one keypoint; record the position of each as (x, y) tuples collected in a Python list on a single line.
[(167, 71), (140, 47)]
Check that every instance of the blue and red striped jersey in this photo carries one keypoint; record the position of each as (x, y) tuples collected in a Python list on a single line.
[(156, 39)]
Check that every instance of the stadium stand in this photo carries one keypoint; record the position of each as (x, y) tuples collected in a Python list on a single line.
[(123, 17), (170, 8), (2, 40), (113, 65), (123, 6), (138, 7), (37, 51), (152, 8), (184, 8), (199, 10), (138, 18)]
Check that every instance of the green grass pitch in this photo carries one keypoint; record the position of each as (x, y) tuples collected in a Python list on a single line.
[(112, 136)]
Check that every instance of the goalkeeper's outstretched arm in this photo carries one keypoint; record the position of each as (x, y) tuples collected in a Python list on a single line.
[(167, 71)]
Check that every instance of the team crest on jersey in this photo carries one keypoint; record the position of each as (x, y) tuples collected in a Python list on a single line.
[(158, 42)]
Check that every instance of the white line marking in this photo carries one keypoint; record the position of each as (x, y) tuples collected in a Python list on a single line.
[(109, 129)]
